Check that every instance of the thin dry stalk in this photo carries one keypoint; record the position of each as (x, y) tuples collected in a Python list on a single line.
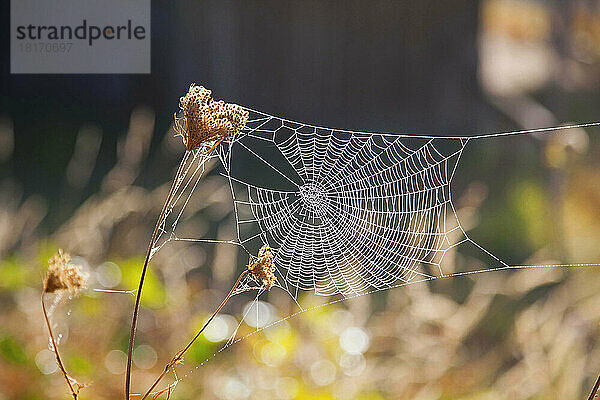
[(595, 389), (262, 269), (179, 356), (205, 121), (138, 296), (74, 390), (62, 276)]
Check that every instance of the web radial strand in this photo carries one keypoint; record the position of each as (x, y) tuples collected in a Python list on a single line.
[(344, 212), (191, 169)]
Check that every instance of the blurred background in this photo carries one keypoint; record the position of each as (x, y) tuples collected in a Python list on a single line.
[(86, 162)]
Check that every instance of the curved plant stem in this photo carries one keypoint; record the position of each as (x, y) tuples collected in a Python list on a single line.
[(595, 389), (56, 353), (177, 358), (136, 308)]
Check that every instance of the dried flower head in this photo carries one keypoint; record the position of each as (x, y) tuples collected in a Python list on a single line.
[(263, 267), (62, 275), (206, 120)]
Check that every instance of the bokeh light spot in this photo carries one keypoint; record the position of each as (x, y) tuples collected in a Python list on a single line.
[(354, 340), (115, 362)]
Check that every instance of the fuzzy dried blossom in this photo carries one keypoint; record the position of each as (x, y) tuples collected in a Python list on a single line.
[(63, 275), (263, 267), (206, 120)]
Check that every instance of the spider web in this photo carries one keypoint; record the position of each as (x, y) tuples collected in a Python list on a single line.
[(345, 213), (349, 212)]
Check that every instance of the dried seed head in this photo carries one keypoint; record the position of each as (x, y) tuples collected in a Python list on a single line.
[(62, 275), (205, 120), (263, 267)]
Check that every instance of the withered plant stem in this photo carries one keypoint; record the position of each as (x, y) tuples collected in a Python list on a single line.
[(595, 389), (138, 296), (181, 352), (55, 350)]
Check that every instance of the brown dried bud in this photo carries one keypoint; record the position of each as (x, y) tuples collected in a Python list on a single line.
[(205, 120), (62, 275), (263, 267)]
